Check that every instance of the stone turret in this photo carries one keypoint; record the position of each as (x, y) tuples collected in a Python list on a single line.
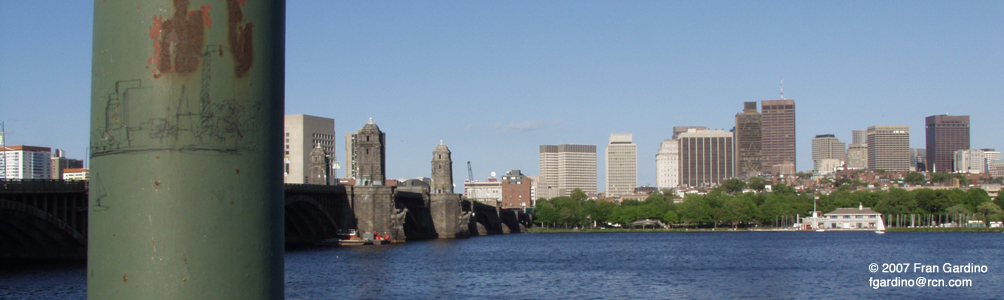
[(442, 170), (448, 217), (318, 166), (370, 150)]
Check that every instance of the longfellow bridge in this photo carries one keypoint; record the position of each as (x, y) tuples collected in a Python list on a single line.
[(48, 218)]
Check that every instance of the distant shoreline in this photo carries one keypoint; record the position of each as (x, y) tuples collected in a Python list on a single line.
[(728, 229)]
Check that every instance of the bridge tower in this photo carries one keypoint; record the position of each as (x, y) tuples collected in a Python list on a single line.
[(370, 150), (442, 170), (447, 215), (372, 201), (318, 166)]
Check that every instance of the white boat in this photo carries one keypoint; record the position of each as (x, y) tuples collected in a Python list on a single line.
[(819, 230), (881, 226)]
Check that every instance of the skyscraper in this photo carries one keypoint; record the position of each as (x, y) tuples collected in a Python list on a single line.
[(667, 165), (945, 134), (677, 130), (564, 168), (778, 132), (303, 134), (706, 157), (857, 156), (859, 136), (749, 141), (621, 165), (889, 148), (827, 146)]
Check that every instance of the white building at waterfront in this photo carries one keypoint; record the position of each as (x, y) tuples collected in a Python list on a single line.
[(862, 218)]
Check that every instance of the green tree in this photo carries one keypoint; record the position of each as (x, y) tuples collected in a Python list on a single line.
[(783, 189), (757, 184), (915, 178), (957, 211), (630, 202), (898, 202), (989, 210), (1000, 199), (733, 186), (772, 209), (545, 213), (578, 195), (928, 200), (670, 217), (694, 209), (599, 211), (737, 210), (974, 197)]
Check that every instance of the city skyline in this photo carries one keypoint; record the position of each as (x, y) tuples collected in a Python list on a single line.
[(496, 80)]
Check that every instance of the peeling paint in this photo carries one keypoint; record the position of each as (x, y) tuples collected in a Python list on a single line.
[(240, 39), (177, 41)]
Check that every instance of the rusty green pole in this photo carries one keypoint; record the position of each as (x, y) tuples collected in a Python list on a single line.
[(186, 194)]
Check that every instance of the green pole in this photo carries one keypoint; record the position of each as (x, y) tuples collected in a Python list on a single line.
[(186, 194)]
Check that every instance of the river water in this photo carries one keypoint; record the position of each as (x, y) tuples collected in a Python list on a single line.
[(778, 265)]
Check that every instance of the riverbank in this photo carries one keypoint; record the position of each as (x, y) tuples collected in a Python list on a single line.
[(585, 230), (943, 229), (727, 229)]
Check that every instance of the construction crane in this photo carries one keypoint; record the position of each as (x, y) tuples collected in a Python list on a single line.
[(470, 173)]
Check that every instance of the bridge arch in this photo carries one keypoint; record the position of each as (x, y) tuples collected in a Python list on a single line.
[(27, 231), (307, 221)]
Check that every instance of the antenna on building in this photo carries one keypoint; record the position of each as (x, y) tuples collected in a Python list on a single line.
[(782, 88)]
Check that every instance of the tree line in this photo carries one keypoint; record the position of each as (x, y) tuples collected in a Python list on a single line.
[(728, 205)]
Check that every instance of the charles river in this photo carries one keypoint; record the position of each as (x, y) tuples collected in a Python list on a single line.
[(776, 265)]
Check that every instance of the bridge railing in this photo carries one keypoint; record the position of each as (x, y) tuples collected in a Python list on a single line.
[(26, 185)]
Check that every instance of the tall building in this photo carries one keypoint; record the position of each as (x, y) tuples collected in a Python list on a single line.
[(827, 146), (60, 163), (749, 141), (564, 168), (778, 131), (667, 165), (997, 169), (859, 136), (975, 161), (706, 157), (621, 165), (25, 162), (945, 134), (677, 130), (303, 134), (918, 159), (857, 156), (889, 148), (516, 190), (350, 155)]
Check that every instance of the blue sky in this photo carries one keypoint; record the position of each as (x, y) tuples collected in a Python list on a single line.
[(496, 79)]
